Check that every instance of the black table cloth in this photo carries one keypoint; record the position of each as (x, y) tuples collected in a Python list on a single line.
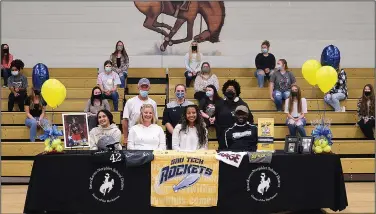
[(63, 183)]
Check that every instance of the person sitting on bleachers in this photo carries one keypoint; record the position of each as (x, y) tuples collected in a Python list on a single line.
[(132, 107), (35, 108), (204, 78), (191, 134), (6, 60), (146, 134), (17, 84), (192, 61), (120, 62), (338, 92), (207, 105), (296, 108), (108, 82), (173, 111), (224, 112), (242, 135), (265, 64), (366, 112), (94, 105), (106, 126), (280, 83)]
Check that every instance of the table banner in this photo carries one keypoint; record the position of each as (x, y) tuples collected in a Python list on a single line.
[(184, 179)]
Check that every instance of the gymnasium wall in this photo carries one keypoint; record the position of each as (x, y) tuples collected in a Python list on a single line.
[(83, 34)]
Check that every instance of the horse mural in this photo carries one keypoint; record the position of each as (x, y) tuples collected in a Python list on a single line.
[(213, 13)]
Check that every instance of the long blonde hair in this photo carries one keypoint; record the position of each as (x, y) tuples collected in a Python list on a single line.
[(198, 55), (141, 118)]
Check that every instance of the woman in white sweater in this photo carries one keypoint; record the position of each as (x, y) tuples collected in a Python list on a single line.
[(146, 135), (203, 79), (192, 61), (191, 134)]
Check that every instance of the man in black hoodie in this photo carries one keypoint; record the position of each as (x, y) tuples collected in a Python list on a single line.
[(243, 135)]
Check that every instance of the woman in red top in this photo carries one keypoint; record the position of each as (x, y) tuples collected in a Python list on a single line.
[(6, 59)]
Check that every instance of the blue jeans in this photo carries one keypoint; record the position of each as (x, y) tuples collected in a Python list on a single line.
[(114, 96), (261, 76), (188, 79), (5, 73), (279, 97), (122, 79), (293, 128), (333, 100), (33, 125)]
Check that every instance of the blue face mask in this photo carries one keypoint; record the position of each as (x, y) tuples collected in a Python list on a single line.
[(144, 93), (179, 94), (209, 93)]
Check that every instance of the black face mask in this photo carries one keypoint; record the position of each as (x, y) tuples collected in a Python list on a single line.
[(367, 93), (194, 48), (99, 96), (6, 51), (294, 94), (36, 92), (230, 95)]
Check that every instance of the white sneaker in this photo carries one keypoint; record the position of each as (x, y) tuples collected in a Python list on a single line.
[(343, 109)]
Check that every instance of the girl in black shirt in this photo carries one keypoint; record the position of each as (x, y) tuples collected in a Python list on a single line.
[(35, 108), (208, 105)]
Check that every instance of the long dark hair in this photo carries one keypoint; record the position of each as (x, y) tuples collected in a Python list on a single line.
[(199, 124), (363, 103), (3, 56), (215, 95), (124, 53), (108, 114), (92, 95), (298, 97)]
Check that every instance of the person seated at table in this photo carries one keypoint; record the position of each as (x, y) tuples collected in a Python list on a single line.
[(265, 64), (94, 104), (108, 82), (338, 92), (208, 103), (225, 108), (192, 61), (146, 135), (35, 108), (120, 62), (107, 127), (6, 60), (191, 133), (17, 84), (296, 108), (366, 112), (243, 135), (203, 79), (173, 111)]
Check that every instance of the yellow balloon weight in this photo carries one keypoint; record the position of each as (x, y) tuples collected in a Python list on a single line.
[(326, 77), (309, 70), (53, 92)]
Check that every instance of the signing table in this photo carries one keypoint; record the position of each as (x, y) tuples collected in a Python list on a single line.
[(83, 182)]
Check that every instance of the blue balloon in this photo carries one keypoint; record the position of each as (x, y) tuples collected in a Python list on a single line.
[(331, 56), (40, 75)]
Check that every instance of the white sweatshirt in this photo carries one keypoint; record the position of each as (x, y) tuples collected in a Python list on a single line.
[(98, 132), (187, 140), (141, 137), (193, 65)]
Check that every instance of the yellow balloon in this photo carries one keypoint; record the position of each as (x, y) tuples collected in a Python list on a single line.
[(53, 92), (309, 70), (326, 77)]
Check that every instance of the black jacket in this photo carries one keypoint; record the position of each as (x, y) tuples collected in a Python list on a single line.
[(241, 137)]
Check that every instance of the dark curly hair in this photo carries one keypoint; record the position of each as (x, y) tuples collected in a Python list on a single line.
[(18, 64), (199, 124), (233, 83)]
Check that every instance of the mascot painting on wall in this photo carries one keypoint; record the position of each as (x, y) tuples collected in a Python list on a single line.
[(213, 13)]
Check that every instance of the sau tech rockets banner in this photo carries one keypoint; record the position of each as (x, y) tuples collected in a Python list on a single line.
[(184, 179)]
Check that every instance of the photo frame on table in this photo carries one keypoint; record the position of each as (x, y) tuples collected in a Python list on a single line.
[(306, 144), (291, 144), (76, 130)]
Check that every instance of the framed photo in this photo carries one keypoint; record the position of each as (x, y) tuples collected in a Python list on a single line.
[(76, 131), (306, 144), (292, 144)]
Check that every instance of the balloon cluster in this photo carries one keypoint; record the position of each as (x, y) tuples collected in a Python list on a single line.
[(323, 74), (322, 137), (50, 136)]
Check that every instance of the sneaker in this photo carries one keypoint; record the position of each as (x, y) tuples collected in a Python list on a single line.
[(343, 109)]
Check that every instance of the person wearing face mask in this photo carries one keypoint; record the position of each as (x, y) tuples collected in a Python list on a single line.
[(265, 64), (280, 84), (106, 127), (35, 108), (17, 84), (225, 110), (108, 82), (338, 92), (242, 135), (120, 62), (203, 79), (6, 60), (366, 112), (296, 108), (146, 134), (173, 111), (192, 61), (94, 105), (208, 104), (132, 107)]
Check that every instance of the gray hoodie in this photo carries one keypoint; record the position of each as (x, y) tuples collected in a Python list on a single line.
[(98, 132)]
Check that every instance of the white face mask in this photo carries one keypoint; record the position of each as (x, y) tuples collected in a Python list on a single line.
[(264, 50), (14, 73), (108, 69), (278, 66)]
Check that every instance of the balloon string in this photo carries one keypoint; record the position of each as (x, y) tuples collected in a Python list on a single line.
[(317, 100)]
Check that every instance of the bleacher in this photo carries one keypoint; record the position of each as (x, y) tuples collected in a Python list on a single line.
[(357, 154)]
